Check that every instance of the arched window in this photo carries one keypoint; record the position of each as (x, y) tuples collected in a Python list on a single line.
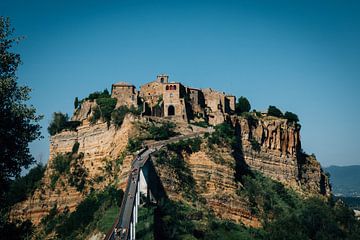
[(174, 87), (171, 110), (162, 80), (167, 87)]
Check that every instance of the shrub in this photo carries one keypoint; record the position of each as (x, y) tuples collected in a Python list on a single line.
[(75, 147), (76, 103), (106, 107), (134, 145), (189, 145), (291, 117), (96, 95), (75, 223), (162, 132), (53, 180), (61, 163), (118, 115), (224, 134), (243, 105), (60, 122), (274, 111), (24, 186)]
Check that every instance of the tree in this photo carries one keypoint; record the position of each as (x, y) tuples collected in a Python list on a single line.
[(243, 105), (291, 117), (19, 123), (76, 102), (274, 111), (58, 123)]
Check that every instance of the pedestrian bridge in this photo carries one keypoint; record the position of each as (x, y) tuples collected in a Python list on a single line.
[(142, 181)]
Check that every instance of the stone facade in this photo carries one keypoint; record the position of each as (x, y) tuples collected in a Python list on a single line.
[(173, 100), (125, 94)]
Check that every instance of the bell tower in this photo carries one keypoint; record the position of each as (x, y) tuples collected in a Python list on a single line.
[(162, 78)]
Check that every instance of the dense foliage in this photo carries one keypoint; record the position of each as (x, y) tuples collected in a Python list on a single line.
[(95, 95), (291, 117), (23, 186), (243, 105), (118, 115), (76, 102), (162, 131), (84, 219), (105, 107), (224, 135), (19, 124), (59, 122), (274, 111), (177, 220)]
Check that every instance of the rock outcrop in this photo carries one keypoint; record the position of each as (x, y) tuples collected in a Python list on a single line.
[(273, 147)]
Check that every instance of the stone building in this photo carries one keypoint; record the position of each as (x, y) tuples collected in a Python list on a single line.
[(162, 98), (125, 94)]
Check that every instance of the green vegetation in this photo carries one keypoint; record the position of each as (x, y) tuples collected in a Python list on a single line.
[(243, 105), (274, 111), (224, 135), (203, 124), (22, 187), (59, 122), (76, 103), (118, 115), (134, 145), (19, 123), (161, 132), (177, 220), (104, 109), (78, 176), (291, 117), (107, 220), (75, 147), (96, 95), (175, 161), (61, 163), (189, 145), (96, 208), (145, 226)]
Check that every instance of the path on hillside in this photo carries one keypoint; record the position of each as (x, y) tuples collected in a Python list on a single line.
[(123, 222)]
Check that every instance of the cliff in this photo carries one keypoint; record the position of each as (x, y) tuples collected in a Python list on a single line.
[(100, 147), (270, 145), (273, 147)]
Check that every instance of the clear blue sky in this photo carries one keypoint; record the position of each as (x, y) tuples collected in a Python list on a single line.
[(302, 56)]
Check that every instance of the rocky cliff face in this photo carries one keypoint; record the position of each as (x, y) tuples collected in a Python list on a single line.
[(100, 146), (273, 147), (213, 172)]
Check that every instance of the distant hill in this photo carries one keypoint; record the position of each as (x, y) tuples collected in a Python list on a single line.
[(345, 180)]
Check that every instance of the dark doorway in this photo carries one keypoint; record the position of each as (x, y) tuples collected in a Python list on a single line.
[(171, 110)]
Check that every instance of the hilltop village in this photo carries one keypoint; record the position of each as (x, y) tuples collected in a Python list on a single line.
[(172, 100)]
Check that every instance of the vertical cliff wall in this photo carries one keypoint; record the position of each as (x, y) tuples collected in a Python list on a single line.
[(273, 147)]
